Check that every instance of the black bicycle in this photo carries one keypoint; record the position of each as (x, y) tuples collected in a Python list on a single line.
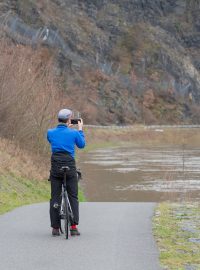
[(65, 210)]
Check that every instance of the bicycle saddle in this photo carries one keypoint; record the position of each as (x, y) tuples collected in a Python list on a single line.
[(65, 168)]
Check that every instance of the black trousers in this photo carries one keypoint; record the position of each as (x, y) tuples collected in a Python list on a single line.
[(56, 177)]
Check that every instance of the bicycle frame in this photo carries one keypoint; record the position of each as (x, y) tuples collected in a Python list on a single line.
[(66, 194), (66, 212)]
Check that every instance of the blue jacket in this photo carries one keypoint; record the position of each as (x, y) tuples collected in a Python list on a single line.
[(64, 139)]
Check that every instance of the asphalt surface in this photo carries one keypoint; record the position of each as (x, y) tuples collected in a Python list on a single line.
[(114, 236)]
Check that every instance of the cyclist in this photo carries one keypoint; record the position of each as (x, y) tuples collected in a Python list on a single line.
[(63, 140)]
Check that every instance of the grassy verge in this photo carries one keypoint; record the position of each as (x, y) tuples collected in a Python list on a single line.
[(177, 232), (16, 191)]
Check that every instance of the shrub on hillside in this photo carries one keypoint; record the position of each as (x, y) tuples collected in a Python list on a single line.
[(29, 94)]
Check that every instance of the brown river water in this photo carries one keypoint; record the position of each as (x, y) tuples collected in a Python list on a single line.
[(137, 174)]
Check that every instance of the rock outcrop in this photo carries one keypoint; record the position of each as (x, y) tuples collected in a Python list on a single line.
[(118, 53)]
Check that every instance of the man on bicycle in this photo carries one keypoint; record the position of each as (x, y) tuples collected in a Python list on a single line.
[(63, 140)]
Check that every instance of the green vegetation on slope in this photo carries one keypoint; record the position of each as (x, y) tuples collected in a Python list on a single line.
[(23, 177), (177, 231), (16, 191)]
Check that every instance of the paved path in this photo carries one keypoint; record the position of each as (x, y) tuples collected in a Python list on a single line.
[(115, 236)]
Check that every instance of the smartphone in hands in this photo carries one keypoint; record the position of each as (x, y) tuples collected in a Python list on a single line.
[(75, 121)]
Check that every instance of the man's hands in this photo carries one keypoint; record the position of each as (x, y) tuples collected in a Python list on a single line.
[(80, 124)]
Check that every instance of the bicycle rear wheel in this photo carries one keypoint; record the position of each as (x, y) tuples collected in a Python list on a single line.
[(66, 216)]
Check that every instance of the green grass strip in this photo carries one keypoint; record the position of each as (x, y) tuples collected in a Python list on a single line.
[(177, 231)]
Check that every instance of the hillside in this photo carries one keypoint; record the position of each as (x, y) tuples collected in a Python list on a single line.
[(117, 61)]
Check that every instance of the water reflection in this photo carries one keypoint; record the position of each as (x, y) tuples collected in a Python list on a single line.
[(141, 174)]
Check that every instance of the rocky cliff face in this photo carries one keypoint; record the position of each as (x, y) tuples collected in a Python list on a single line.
[(124, 61)]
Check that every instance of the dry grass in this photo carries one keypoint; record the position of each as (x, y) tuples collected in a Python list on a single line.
[(141, 135), (18, 162)]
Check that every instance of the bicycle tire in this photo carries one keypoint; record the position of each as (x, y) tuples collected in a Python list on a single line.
[(66, 216)]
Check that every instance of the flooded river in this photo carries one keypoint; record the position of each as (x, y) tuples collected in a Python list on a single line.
[(141, 174)]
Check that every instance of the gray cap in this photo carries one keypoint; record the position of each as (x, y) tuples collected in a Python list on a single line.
[(64, 114)]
